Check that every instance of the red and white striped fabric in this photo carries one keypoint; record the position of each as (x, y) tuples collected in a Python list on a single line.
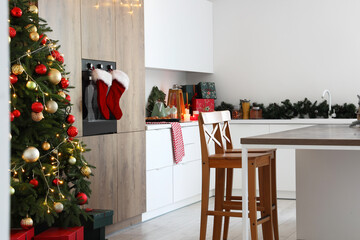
[(177, 140)]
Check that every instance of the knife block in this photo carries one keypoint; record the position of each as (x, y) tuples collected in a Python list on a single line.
[(175, 98)]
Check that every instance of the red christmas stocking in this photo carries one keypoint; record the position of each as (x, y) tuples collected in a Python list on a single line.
[(119, 85), (103, 81)]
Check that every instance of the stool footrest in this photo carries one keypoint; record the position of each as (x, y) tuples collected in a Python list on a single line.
[(225, 214), (263, 219)]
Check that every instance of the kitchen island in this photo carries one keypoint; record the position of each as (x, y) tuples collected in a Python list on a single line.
[(327, 179)]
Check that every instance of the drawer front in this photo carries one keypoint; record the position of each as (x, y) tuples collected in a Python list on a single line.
[(187, 180), (191, 134), (159, 151), (159, 188), (192, 152)]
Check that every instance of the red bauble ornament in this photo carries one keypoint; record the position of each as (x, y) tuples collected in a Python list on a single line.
[(60, 59), (82, 198), (13, 78), (43, 40), (34, 182), (70, 119), (55, 54), (16, 12), (16, 113), (12, 116), (37, 107), (70, 138), (68, 97), (40, 69), (64, 83), (56, 182), (12, 32), (72, 131)]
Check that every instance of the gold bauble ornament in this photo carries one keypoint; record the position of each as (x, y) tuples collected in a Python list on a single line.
[(31, 154), (72, 160), (62, 94), (31, 28), (17, 69), (50, 58), (58, 207), (34, 36), (86, 171), (26, 223), (51, 106), (50, 63), (54, 76), (37, 117), (31, 85), (45, 146), (33, 9), (12, 190)]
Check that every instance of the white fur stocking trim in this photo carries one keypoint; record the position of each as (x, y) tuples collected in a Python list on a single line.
[(121, 77), (98, 74)]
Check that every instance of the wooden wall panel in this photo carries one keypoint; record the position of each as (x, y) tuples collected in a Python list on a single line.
[(131, 175), (130, 58), (104, 183), (64, 18), (98, 29)]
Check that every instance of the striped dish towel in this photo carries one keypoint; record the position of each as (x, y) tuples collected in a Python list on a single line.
[(177, 140)]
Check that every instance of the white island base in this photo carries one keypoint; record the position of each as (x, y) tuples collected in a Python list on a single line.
[(327, 194)]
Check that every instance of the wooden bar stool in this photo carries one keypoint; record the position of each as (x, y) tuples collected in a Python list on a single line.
[(229, 180), (222, 161)]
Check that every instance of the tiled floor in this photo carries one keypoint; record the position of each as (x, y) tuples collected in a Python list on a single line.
[(184, 224)]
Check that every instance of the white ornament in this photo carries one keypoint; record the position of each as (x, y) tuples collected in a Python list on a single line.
[(72, 160), (12, 190), (31, 154), (51, 106), (58, 207)]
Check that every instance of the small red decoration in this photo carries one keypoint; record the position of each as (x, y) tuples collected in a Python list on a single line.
[(13, 78), (16, 12), (56, 182), (40, 69), (82, 198), (60, 59), (70, 138), (68, 98), (37, 107), (12, 32), (43, 40), (12, 116), (16, 113), (70, 119), (64, 83), (55, 54), (34, 182), (88, 209), (72, 131)]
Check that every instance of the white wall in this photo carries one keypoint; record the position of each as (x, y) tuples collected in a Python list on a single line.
[(163, 79), (178, 35), (4, 122), (272, 50)]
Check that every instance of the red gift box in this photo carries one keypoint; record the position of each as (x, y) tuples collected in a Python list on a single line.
[(203, 105), (21, 234), (74, 233)]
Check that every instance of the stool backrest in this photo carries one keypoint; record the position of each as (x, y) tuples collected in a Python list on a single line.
[(217, 120)]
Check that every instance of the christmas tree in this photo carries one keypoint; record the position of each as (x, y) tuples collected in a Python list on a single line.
[(48, 172)]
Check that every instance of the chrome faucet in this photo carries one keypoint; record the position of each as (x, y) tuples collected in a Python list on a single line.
[(331, 115)]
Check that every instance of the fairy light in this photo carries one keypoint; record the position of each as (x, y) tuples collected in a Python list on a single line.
[(59, 154), (57, 135), (14, 95), (52, 158)]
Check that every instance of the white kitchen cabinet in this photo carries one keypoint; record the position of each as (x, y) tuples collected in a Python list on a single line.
[(158, 149), (159, 193), (179, 35), (187, 180)]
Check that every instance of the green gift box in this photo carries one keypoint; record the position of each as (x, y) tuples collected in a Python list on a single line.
[(96, 229), (206, 90)]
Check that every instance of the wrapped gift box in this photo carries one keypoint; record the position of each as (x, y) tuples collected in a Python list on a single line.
[(206, 90), (73, 233), (95, 229), (203, 105), (21, 234)]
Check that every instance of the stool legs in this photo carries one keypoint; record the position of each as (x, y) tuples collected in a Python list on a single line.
[(204, 200), (252, 199), (266, 200), (219, 201), (274, 197), (229, 186)]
